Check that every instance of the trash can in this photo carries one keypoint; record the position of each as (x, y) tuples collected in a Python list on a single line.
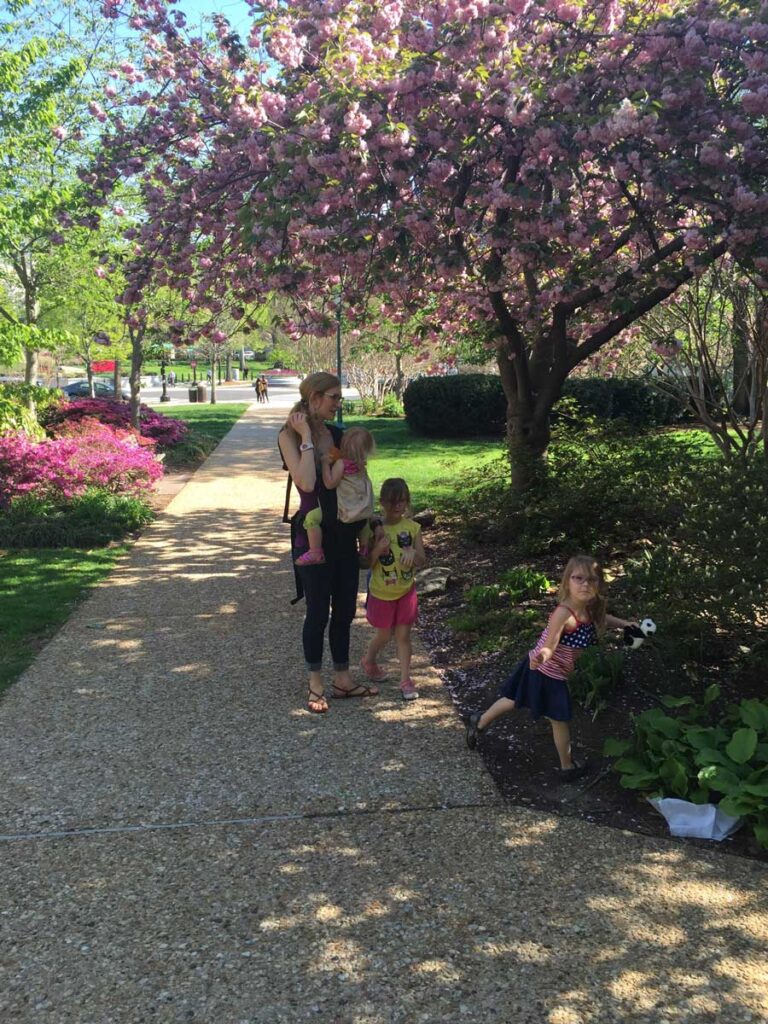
[(202, 393), (193, 394), (235, 374)]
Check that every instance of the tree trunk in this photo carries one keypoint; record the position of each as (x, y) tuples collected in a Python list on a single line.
[(527, 443), (741, 363), (399, 377), (30, 365), (137, 356), (529, 405)]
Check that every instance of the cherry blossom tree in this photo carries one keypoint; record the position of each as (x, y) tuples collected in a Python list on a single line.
[(544, 172)]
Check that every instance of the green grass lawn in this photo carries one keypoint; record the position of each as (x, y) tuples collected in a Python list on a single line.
[(38, 590), (433, 468), (208, 424)]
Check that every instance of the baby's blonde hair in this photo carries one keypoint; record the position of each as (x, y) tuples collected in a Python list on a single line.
[(357, 444), (590, 567)]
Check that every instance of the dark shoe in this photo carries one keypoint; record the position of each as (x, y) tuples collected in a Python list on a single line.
[(472, 730), (578, 771)]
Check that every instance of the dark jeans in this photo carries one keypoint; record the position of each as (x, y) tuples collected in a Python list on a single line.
[(330, 591)]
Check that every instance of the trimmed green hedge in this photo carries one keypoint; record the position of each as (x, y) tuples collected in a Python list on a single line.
[(626, 398), (462, 405), (473, 404)]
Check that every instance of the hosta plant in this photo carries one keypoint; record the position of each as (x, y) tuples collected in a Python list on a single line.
[(699, 756)]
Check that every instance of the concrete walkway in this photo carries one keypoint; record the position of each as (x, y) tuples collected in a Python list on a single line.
[(182, 841)]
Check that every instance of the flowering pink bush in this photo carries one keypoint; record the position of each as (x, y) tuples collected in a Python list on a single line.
[(163, 430), (65, 467)]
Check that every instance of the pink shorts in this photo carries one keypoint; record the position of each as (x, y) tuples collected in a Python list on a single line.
[(388, 614)]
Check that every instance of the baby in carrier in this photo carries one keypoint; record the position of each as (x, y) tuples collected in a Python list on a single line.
[(344, 470)]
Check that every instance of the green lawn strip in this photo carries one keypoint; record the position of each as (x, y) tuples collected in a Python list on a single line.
[(208, 424), (38, 591), (433, 468), (214, 420)]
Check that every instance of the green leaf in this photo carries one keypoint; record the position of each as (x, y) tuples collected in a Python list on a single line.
[(755, 714), (710, 756), (699, 738), (676, 702), (711, 694), (756, 789), (719, 778), (647, 781), (616, 748), (761, 834), (673, 772), (742, 746), (735, 806)]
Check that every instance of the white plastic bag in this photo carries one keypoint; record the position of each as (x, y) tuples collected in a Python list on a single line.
[(696, 821)]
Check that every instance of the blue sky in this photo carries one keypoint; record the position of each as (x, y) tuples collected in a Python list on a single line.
[(236, 11)]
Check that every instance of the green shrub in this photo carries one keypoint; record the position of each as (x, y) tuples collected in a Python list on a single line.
[(22, 404), (193, 449), (628, 398), (474, 404), (91, 520), (709, 566), (514, 585), (595, 677), (391, 406), (604, 488), (702, 757), (462, 405), (498, 629)]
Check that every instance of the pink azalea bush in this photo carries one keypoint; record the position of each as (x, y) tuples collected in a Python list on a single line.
[(165, 431), (65, 467)]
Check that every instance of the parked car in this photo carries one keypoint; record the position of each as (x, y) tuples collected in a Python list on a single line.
[(101, 389)]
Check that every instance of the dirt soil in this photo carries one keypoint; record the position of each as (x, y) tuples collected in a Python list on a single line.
[(518, 752)]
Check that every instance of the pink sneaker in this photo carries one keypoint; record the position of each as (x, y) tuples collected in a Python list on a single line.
[(408, 690), (314, 556), (373, 671)]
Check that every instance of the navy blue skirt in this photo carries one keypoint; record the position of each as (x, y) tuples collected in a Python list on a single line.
[(542, 695)]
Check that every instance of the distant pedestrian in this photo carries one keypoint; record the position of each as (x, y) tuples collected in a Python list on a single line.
[(264, 389), (245, 373), (258, 389)]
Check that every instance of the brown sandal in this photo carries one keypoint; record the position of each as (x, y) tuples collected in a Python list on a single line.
[(316, 698), (339, 693)]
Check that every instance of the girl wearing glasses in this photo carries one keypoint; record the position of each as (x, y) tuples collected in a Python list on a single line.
[(539, 682), (330, 585)]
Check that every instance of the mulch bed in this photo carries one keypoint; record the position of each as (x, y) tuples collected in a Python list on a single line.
[(519, 753)]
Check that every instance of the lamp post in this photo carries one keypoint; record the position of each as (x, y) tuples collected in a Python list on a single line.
[(164, 397), (339, 412)]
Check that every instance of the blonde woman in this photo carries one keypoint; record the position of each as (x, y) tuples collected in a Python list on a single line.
[(330, 586)]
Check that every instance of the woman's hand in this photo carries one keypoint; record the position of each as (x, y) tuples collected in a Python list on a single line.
[(300, 424)]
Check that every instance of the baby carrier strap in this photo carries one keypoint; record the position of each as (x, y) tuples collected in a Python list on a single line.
[(296, 519)]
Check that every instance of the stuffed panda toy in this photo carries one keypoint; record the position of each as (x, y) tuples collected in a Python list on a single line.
[(635, 635)]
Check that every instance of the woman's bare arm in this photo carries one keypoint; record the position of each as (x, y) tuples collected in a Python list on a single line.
[(301, 464)]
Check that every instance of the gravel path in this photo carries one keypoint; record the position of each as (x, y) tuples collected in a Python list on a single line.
[(183, 841)]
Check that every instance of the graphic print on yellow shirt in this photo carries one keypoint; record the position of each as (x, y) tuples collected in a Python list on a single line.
[(389, 580)]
